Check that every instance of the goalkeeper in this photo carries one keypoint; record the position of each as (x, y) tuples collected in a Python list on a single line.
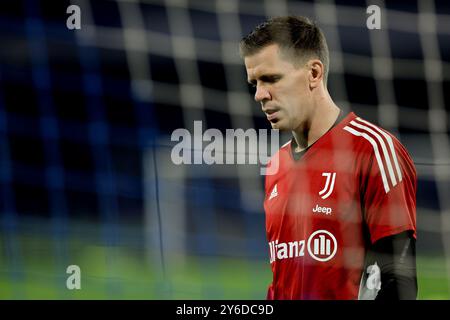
[(341, 208)]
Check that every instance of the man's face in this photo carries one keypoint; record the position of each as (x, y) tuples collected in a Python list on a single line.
[(281, 88)]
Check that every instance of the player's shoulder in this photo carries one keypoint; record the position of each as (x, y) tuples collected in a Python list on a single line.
[(279, 159), (286, 146), (368, 136), (377, 143), (284, 149)]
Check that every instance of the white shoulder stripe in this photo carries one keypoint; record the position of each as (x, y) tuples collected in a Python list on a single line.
[(387, 159), (377, 153), (391, 146)]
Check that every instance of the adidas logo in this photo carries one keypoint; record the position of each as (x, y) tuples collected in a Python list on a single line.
[(274, 193)]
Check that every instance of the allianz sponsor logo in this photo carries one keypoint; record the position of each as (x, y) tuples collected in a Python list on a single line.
[(285, 250), (326, 210), (321, 246)]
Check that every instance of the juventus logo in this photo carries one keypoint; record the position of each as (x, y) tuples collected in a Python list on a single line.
[(329, 186)]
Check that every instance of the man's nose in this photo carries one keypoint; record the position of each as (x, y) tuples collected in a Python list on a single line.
[(261, 94)]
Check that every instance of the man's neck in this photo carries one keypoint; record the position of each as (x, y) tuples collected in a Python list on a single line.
[(320, 123)]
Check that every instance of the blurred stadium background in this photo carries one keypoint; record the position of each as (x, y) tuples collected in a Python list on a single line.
[(85, 123)]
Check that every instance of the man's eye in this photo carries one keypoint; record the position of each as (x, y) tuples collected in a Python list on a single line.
[(274, 79)]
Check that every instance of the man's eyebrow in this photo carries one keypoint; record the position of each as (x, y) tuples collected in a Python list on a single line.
[(265, 77)]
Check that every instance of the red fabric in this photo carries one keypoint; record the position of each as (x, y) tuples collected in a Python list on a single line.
[(318, 233)]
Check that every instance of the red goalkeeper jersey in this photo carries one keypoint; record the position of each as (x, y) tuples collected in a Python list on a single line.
[(353, 186)]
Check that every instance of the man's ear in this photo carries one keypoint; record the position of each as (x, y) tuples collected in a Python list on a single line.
[(316, 70)]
